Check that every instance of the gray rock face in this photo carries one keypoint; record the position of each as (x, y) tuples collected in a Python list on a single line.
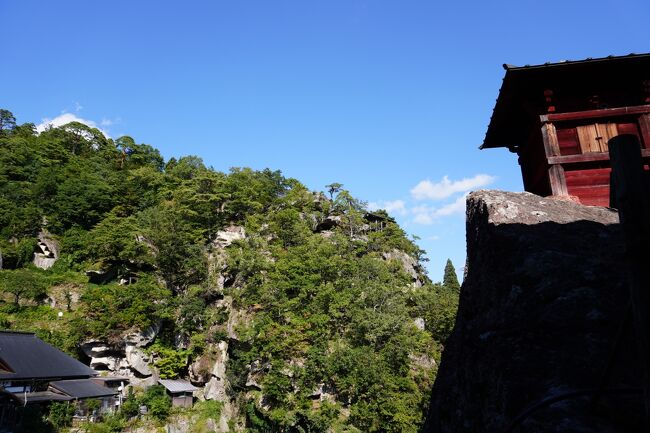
[(126, 358), (409, 264), (137, 360), (143, 338), (228, 236), (539, 308), (328, 223), (47, 251), (215, 388)]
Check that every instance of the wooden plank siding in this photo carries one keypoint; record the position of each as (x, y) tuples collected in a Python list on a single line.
[(591, 186), (575, 146), (594, 137), (568, 141)]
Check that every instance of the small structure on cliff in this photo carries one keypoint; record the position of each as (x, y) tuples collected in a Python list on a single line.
[(558, 117), (181, 392)]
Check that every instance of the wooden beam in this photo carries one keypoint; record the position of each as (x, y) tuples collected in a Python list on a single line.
[(644, 129), (549, 136), (594, 114), (588, 157), (558, 180), (631, 198)]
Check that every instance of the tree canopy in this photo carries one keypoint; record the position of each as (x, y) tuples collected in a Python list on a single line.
[(322, 283)]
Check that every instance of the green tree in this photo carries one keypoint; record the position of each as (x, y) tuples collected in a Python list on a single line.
[(23, 283), (333, 188), (178, 256), (7, 122), (450, 279), (117, 240)]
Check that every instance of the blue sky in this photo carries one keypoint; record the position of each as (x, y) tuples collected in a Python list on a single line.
[(389, 98)]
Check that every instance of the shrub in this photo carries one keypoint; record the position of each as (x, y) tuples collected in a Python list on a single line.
[(61, 414)]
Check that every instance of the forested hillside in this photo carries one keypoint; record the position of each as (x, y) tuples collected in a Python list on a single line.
[(294, 310)]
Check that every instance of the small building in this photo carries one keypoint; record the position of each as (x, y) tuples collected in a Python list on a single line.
[(181, 391), (558, 118), (86, 389), (33, 372)]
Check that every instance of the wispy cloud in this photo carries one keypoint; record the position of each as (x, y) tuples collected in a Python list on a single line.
[(446, 188), (66, 118), (390, 206), (426, 215)]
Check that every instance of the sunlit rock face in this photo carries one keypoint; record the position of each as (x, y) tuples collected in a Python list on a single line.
[(539, 309), (47, 251)]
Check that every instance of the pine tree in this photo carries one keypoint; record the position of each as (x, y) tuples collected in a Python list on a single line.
[(450, 280)]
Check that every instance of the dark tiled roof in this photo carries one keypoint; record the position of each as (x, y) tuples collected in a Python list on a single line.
[(40, 397), (82, 388), (523, 86), (111, 379), (174, 386), (573, 62), (30, 357)]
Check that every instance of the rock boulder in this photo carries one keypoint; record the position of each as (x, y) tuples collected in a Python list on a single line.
[(539, 309)]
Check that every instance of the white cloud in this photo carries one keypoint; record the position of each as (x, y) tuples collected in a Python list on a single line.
[(426, 215), (66, 118), (390, 206), (446, 188)]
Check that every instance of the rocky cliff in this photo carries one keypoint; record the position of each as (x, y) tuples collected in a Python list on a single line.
[(543, 297)]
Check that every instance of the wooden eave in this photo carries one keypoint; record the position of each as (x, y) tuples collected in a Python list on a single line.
[(521, 101)]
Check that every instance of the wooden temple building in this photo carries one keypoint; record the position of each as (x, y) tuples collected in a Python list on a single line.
[(558, 117)]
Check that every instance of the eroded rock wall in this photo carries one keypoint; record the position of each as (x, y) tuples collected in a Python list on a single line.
[(540, 305)]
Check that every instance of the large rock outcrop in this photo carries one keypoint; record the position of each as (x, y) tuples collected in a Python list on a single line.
[(47, 251), (127, 357), (539, 308)]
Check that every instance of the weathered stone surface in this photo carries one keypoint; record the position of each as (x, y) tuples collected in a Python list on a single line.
[(328, 223), (103, 363), (143, 338), (137, 360), (216, 387), (539, 308), (410, 265), (102, 276), (95, 348), (236, 319), (227, 236), (324, 392), (47, 251)]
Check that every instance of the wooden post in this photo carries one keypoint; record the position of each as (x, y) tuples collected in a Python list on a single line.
[(552, 149), (644, 129), (632, 200)]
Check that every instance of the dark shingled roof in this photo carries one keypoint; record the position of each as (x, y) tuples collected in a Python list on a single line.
[(40, 397), (27, 356), (82, 388), (523, 85)]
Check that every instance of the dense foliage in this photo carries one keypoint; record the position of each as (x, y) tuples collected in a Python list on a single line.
[(333, 332)]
